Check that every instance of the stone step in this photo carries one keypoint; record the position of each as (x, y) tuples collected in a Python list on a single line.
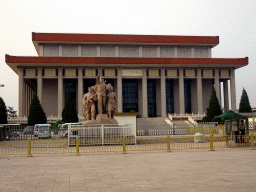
[(152, 123)]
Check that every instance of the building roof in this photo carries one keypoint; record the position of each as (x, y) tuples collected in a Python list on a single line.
[(14, 61), (70, 38)]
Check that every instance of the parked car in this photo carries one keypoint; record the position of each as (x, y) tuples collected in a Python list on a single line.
[(64, 129), (42, 130), (29, 130)]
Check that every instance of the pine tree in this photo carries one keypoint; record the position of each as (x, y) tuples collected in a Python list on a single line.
[(69, 114), (244, 106), (36, 112), (3, 112), (214, 108)]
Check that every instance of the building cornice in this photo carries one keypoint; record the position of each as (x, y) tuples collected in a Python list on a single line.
[(126, 60), (115, 38), (15, 61), (75, 38)]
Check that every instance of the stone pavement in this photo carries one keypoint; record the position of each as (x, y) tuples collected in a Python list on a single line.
[(185, 170)]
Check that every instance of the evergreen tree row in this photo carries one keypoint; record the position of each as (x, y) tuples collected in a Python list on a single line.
[(244, 106), (38, 116), (69, 113), (213, 110), (3, 112)]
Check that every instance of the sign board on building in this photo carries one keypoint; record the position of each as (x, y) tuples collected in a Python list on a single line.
[(131, 72)]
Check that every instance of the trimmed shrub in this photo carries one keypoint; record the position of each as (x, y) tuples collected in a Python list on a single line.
[(36, 112)]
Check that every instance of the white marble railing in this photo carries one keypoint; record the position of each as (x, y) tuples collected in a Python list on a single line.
[(168, 121), (50, 119), (17, 119), (192, 121), (191, 116), (187, 115)]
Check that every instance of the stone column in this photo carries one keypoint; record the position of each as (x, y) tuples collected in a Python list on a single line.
[(29, 98), (226, 98), (217, 84), (119, 91), (41, 50), (209, 52), (140, 51), (175, 51), (116, 51), (40, 85), (158, 51), (98, 51), (192, 52), (60, 91), (60, 50), (220, 95), (21, 92), (144, 93), (233, 90), (199, 91), (80, 91), (26, 98), (181, 91), (163, 93), (79, 54)]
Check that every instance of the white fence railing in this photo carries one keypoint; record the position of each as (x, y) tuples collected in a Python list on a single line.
[(101, 134)]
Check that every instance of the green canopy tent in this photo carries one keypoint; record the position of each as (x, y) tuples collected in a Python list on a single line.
[(231, 115)]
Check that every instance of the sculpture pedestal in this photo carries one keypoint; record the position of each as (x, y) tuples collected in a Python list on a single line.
[(101, 119)]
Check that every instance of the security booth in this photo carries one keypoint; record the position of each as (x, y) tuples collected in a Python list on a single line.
[(234, 123)]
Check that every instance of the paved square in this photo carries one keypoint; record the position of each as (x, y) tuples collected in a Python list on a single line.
[(185, 170)]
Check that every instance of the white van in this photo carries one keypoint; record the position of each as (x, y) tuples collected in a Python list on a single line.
[(42, 130), (64, 129)]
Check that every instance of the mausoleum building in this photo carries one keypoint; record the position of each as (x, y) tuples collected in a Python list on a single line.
[(153, 75)]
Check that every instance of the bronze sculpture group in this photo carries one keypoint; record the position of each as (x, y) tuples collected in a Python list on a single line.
[(100, 98)]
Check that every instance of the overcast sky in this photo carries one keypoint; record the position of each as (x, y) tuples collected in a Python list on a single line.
[(233, 21)]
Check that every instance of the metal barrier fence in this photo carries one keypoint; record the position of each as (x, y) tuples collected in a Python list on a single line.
[(252, 126), (115, 139), (165, 143)]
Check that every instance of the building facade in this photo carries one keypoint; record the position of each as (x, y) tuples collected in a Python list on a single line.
[(153, 75)]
